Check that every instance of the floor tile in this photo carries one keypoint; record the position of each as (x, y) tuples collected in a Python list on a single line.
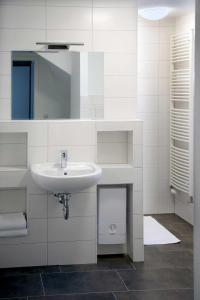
[(180, 229), (105, 262), (91, 296), (154, 258), (157, 279), (28, 270), (21, 286), (81, 282), (168, 219), (156, 295)]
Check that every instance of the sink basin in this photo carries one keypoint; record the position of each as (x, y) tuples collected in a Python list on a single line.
[(74, 178)]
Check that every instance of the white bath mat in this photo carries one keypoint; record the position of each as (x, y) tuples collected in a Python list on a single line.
[(156, 234)]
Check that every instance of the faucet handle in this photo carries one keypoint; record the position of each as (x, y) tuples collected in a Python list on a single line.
[(64, 154)]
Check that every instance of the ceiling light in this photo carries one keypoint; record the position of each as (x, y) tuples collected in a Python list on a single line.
[(154, 13)]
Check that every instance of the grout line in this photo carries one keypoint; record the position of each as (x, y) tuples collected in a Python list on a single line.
[(92, 25), (114, 295), (101, 293), (134, 267), (45, 6), (42, 284), (122, 280)]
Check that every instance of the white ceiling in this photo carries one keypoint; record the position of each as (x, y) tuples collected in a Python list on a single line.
[(179, 7)]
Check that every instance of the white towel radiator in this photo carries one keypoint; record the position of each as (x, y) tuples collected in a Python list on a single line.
[(181, 113)]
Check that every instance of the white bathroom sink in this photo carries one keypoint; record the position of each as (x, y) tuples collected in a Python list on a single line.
[(74, 178)]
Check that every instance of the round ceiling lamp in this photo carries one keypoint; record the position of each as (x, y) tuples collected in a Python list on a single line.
[(154, 13)]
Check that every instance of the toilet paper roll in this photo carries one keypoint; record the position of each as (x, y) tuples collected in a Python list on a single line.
[(13, 233), (12, 221)]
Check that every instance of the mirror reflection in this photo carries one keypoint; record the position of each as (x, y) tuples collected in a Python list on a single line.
[(57, 85)]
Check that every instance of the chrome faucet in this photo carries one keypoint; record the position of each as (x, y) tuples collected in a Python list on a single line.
[(64, 158)]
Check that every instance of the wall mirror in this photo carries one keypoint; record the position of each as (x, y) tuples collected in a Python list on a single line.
[(57, 85)]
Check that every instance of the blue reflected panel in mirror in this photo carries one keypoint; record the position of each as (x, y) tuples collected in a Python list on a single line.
[(22, 90)]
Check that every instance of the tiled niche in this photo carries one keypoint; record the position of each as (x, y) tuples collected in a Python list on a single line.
[(114, 147)]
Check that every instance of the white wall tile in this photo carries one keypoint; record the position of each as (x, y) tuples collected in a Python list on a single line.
[(13, 155), (114, 19), (138, 226), (147, 23), (5, 113), (5, 86), (164, 69), (120, 64), (114, 3), (146, 36), (138, 250), (69, 18), (108, 41), (112, 153), (13, 200), (37, 206), (20, 39), (138, 203), (74, 3), (150, 138), (73, 229), (119, 108), (63, 134), (164, 87), (150, 120), (112, 137), (148, 87), (148, 69), (165, 34), (138, 180), (37, 134), (37, 155), (164, 51), (120, 86), (22, 17), (147, 104), (150, 156), (137, 156), (37, 255), (67, 253), (5, 63), (148, 52), (163, 104), (163, 120), (23, 2)]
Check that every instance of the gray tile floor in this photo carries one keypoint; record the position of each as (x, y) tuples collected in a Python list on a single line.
[(167, 273)]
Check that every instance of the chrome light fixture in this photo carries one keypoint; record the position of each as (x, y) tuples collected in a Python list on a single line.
[(58, 45), (154, 13)]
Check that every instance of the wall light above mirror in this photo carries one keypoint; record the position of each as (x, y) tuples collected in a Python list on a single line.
[(154, 13), (57, 85)]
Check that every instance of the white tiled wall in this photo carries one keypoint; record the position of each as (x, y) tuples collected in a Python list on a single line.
[(153, 108), (108, 26)]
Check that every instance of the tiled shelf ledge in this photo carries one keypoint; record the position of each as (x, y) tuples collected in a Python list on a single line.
[(117, 174), (13, 169)]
